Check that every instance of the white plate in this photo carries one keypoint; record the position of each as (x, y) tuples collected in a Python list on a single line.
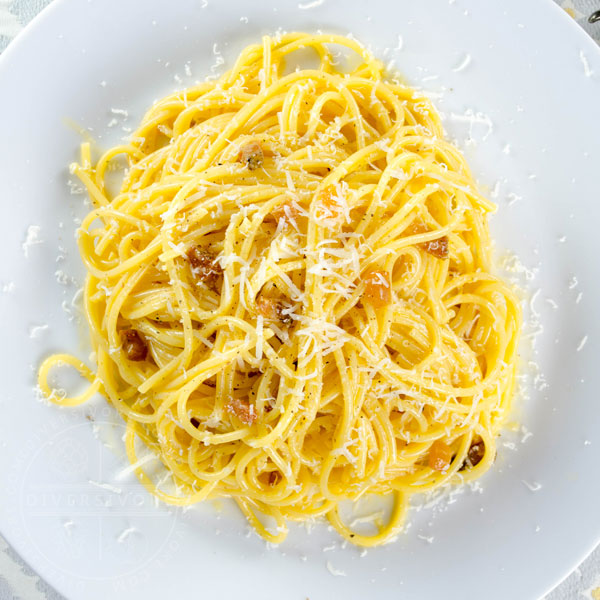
[(531, 80)]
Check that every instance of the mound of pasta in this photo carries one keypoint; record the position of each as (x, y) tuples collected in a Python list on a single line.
[(290, 298)]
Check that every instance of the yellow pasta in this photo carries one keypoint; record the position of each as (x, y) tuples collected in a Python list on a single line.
[(290, 299)]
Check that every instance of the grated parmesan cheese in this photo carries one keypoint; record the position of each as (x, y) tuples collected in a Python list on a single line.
[(586, 65), (32, 238), (335, 572)]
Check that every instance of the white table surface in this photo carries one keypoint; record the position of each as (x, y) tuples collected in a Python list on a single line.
[(18, 581)]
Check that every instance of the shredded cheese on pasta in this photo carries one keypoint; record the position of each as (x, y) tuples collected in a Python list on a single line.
[(290, 298)]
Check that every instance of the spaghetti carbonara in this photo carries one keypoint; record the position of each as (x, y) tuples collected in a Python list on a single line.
[(290, 298)]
